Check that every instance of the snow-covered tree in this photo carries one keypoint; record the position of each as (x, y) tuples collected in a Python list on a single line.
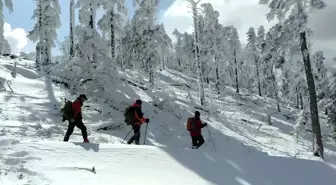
[(296, 13), (112, 22), (234, 53), (145, 35), (86, 31), (200, 75), (72, 29), (4, 45), (47, 17), (253, 52), (320, 75)]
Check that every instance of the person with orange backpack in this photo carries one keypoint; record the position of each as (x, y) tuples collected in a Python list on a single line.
[(194, 126)]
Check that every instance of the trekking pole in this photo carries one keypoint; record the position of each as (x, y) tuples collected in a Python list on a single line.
[(145, 133), (211, 138), (127, 134)]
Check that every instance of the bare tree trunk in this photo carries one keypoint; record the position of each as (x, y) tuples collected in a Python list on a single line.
[(217, 79), (197, 60), (72, 23), (38, 56), (92, 26), (301, 101), (236, 70), (112, 36), (318, 149), (297, 100), (258, 75)]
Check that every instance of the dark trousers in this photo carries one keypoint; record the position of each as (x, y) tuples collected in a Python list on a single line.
[(197, 141), (79, 124), (136, 136)]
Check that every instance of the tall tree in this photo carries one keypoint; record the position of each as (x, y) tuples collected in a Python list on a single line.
[(145, 35), (111, 22), (320, 75), (252, 50), (200, 75), (235, 51), (297, 20), (47, 17), (72, 27), (4, 45), (88, 39)]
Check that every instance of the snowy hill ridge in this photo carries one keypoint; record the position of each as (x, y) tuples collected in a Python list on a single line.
[(248, 150)]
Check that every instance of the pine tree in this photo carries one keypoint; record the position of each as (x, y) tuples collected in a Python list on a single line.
[(320, 75), (234, 53), (200, 75), (297, 22), (72, 27), (252, 50), (112, 22), (88, 38), (145, 34), (47, 16), (4, 45)]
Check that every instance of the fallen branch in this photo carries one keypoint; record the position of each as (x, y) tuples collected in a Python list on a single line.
[(86, 80), (61, 82), (180, 85), (134, 84), (9, 86)]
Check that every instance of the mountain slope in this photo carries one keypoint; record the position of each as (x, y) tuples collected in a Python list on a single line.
[(240, 146), (45, 162)]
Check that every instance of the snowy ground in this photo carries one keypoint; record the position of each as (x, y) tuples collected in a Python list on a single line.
[(248, 150)]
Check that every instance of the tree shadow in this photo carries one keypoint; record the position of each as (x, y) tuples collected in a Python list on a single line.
[(236, 167), (88, 146)]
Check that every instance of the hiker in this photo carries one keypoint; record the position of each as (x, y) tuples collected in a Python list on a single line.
[(136, 122), (194, 126), (75, 119)]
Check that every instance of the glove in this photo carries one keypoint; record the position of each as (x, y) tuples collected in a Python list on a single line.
[(205, 124), (147, 120)]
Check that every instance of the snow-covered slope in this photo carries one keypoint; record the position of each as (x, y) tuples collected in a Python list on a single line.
[(44, 162), (246, 149)]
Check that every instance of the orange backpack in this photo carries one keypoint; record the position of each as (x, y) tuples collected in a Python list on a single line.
[(190, 124)]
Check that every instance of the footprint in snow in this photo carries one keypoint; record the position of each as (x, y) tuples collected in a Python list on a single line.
[(19, 154)]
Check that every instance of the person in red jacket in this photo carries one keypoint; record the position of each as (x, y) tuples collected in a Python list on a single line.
[(138, 121), (76, 120), (195, 129)]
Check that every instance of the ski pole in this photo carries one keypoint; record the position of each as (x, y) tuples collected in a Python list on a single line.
[(211, 138), (145, 133), (127, 134)]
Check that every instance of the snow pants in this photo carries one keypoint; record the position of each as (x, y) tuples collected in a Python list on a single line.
[(197, 141), (79, 124), (136, 136)]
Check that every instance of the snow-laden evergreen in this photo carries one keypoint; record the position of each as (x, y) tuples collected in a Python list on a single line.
[(44, 33), (4, 45), (296, 22)]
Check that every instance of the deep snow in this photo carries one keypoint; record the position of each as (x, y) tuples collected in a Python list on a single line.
[(45, 162), (248, 150)]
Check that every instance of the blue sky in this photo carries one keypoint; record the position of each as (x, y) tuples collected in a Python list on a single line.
[(23, 10)]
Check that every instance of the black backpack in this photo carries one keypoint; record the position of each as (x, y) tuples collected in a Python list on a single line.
[(67, 111), (129, 115)]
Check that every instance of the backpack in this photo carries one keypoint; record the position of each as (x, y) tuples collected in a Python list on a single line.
[(129, 115), (191, 124), (67, 110)]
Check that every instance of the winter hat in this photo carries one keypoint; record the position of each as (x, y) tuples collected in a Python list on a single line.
[(197, 114), (83, 96), (139, 102)]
